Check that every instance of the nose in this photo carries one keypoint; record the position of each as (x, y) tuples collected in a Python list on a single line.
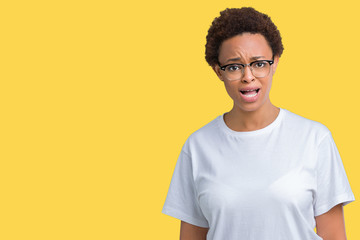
[(247, 75)]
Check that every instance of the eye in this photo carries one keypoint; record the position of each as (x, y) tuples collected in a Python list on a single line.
[(259, 64), (234, 68)]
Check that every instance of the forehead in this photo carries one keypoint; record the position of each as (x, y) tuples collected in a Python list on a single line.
[(246, 46)]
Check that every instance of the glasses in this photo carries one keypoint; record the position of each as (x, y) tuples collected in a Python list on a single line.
[(235, 71)]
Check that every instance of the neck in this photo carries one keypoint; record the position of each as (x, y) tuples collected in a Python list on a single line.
[(240, 120)]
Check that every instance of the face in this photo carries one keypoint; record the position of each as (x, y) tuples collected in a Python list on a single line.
[(248, 93)]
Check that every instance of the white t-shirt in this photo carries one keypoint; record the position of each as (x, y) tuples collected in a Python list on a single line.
[(264, 184)]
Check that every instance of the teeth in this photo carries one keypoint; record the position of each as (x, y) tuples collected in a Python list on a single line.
[(251, 95)]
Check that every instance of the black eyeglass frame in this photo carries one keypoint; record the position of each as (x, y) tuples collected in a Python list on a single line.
[(244, 65)]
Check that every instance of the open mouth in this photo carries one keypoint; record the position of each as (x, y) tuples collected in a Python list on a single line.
[(250, 93)]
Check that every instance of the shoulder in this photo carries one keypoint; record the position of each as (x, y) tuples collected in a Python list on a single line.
[(300, 125), (206, 133)]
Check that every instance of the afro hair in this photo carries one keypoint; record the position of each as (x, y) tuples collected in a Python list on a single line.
[(235, 21)]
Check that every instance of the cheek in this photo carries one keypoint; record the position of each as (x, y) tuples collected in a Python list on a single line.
[(268, 86), (231, 89)]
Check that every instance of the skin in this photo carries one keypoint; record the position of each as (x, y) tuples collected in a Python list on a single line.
[(245, 116), (246, 48), (331, 225), (192, 232)]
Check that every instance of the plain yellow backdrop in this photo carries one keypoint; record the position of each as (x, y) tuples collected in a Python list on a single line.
[(98, 97)]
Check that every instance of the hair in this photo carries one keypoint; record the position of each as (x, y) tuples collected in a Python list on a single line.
[(235, 21)]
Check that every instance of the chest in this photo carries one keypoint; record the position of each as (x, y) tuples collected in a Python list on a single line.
[(242, 180)]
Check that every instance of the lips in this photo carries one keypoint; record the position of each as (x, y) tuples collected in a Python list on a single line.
[(249, 91), (249, 94)]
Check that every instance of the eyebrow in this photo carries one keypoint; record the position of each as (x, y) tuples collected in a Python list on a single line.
[(237, 59)]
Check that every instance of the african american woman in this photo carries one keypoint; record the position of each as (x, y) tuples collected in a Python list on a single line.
[(257, 172)]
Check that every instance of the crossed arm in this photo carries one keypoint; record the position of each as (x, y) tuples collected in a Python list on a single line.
[(329, 226)]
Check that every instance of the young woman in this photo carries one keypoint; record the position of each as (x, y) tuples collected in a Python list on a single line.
[(258, 171)]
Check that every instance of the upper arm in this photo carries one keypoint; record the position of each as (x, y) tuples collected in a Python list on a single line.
[(192, 232), (331, 225)]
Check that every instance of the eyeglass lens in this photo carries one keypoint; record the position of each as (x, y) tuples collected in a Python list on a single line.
[(236, 71)]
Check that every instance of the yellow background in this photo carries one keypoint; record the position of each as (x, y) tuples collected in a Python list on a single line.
[(98, 97)]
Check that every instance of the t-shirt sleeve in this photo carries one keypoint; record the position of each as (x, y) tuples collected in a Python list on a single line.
[(181, 201), (333, 186)]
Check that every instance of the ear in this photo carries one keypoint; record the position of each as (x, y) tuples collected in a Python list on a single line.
[(275, 64), (218, 72)]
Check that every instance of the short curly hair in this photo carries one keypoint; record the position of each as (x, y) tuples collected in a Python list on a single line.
[(235, 21)]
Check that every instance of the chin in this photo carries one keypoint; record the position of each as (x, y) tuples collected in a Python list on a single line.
[(250, 107)]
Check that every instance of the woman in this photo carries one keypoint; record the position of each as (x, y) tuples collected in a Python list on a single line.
[(257, 171)]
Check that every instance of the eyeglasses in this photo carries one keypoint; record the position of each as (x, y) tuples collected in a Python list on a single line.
[(235, 71)]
